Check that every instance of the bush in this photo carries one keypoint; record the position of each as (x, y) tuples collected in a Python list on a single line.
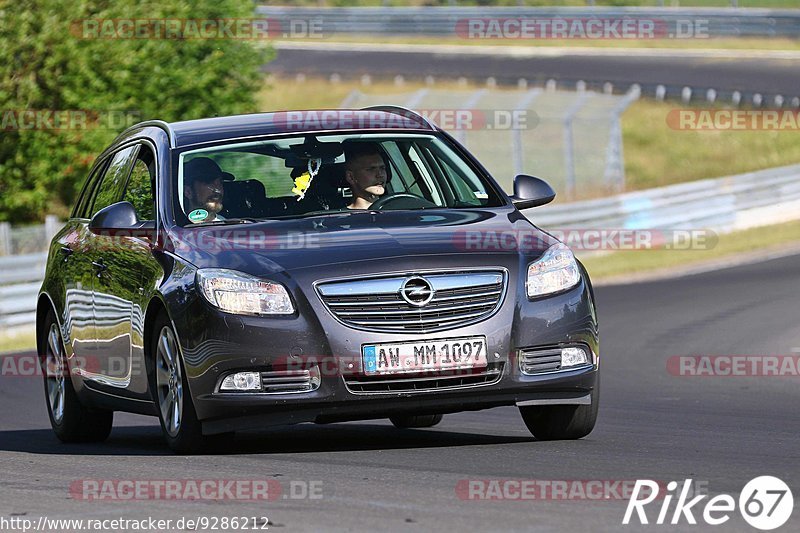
[(49, 62)]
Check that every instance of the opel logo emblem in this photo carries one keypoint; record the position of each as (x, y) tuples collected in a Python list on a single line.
[(417, 291)]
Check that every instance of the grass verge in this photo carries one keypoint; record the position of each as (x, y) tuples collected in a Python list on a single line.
[(19, 341), (658, 155)]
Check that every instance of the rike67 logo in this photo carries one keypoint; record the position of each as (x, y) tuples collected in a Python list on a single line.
[(765, 503)]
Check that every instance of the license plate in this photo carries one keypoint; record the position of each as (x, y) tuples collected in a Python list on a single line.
[(424, 356)]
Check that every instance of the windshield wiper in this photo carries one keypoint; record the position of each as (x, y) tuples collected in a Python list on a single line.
[(227, 221), (318, 214)]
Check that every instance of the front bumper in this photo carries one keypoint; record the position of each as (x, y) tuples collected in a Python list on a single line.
[(214, 344), (237, 412)]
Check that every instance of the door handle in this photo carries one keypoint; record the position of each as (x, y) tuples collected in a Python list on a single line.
[(99, 266)]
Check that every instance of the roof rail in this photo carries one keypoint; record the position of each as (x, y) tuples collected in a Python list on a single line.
[(400, 110), (155, 123)]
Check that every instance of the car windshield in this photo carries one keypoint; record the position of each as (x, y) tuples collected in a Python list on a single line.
[(311, 175)]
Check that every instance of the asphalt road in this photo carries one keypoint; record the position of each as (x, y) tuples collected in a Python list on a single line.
[(769, 77), (719, 431)]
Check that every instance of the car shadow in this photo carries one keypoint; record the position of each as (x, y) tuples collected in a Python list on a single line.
[(302, 438), (313, 438)]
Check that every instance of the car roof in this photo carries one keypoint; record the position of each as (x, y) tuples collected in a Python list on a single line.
[(209, 130)]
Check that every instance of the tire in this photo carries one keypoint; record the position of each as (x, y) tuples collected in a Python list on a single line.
[(71, 420), (169, 389), (415, 421), (561, 422)]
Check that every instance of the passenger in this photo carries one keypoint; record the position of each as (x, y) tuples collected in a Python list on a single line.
[(202, 188), (366, 173)]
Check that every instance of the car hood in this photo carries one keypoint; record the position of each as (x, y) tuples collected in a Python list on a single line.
[(359, 238)]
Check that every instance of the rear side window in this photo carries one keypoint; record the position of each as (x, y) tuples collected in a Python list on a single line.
[(110, 188), (244, 166)]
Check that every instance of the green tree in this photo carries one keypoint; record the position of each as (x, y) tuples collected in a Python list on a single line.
[(53, 58)]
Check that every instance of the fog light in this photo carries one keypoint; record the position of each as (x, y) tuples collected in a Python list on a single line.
[(242, 381), (573, 356)]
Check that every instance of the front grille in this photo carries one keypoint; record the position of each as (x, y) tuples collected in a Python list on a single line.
[(540, 360), (425, 382), (282, 381), (376, 304)]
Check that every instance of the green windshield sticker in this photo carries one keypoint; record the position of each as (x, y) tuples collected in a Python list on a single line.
[(198, 215)]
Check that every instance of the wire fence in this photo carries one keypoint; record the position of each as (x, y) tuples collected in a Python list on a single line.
[(20, 240), (571, 139)]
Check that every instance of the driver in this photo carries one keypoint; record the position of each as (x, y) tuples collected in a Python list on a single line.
[(366, 173), (202, 188)]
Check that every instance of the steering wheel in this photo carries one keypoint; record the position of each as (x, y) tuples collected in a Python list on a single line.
[(383, 201)]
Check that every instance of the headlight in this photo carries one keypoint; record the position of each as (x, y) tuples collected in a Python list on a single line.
[(239, 293), (555, 271)]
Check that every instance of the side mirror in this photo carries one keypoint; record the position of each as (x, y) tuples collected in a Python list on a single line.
[(530, 191), (120, 220)]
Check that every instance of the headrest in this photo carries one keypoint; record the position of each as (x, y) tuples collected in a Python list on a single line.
[(312, 148), (203, 169)]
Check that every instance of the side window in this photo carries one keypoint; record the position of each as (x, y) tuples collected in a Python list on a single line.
[(425, 174), (110, 189), (401, 171), (85, 200), (467, 192), (139, 191)]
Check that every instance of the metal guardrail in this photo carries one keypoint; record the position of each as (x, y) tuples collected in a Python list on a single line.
[(444, 21), (722, 205), (20, 279)]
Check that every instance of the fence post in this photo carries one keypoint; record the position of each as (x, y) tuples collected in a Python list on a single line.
[(5, 238), (414, 100), (614, 175), (351, 98), (51, 225), (569, 149), (516, 135), (472, 101)]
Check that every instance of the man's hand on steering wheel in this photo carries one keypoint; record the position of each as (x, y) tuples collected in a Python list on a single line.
[(390, 198)]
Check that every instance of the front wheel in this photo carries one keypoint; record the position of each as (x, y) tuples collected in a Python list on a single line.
[(170, 390), (561, 422), (71, 421)]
